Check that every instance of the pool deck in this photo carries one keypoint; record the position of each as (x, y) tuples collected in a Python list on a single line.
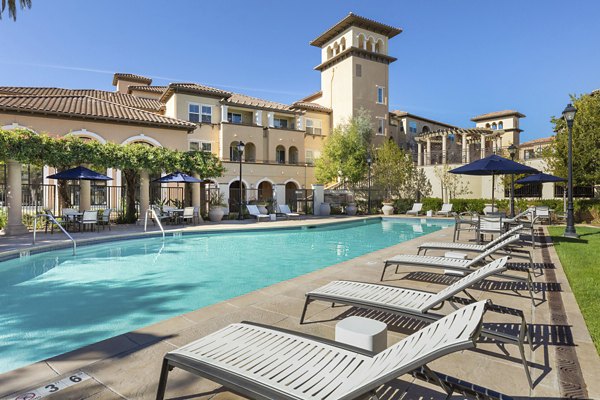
[(564, 362)]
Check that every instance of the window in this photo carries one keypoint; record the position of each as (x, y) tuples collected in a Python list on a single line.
[(196, 145), (412, 127), (380, 126), (314, 126), (234, 118), (280, 123), (280, 155), (380, 96), (494, 126), (309, 157), (500, 125), (194, 113), (358, 70), (207, 114)]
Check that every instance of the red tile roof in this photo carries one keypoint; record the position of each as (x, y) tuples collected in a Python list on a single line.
[(358, 21), (537, 141), (131, 78), (498, 114), (193, 88)]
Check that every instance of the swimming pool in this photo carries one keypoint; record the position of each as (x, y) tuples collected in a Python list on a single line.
[(53, 302)]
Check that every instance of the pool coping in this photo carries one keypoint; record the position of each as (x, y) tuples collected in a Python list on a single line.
[(196, 230)]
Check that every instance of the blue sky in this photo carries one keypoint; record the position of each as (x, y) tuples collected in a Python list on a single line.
[(456, 59)]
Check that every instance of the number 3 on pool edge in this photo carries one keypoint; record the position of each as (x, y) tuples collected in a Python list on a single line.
[(52, 388), (75, 379)]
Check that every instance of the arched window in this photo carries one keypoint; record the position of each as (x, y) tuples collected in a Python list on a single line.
[(329, 52), (293, 159), (250, 152), (234, 154), (343, 44), (265, 191), (500, 125), (487, 126), (336, 48), (361, 41), (494, 126), (379, 46), (425, 129), (371, 44), (280, 155)]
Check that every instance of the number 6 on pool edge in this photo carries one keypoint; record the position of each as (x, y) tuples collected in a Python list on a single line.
[(75, 379)]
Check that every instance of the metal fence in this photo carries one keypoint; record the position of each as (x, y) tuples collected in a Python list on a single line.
[(300, 200), (578, 191), (529, 190)]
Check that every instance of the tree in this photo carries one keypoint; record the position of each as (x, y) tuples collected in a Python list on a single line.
[(586, 143), (345, 152), (452, 184), (392, 169), (12, 7), (417, 185)]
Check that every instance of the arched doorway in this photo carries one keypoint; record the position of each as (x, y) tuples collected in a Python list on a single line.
[(290, 194), (265, 191), (234, 195), (293, 159)]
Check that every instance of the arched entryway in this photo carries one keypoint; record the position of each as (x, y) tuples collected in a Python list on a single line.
[(265, 191), (234, 195), (290, 193)]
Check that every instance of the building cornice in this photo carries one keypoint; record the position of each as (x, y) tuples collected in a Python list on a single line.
[(355, 52)]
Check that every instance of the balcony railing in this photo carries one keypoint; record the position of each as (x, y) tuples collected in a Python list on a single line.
[(457, 156), (271, 162)]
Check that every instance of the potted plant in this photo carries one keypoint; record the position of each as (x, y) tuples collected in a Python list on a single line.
[(388, 207), (216, 204), (324, 209)]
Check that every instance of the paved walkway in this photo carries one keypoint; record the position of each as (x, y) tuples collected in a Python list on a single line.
[(564, 362)]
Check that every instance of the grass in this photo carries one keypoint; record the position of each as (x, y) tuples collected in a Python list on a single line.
[(580, 259)]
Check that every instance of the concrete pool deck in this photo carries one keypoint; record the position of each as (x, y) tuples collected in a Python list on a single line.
[(564, 362)]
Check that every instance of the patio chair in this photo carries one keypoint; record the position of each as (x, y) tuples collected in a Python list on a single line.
[(491, 225), (89, 218), (265, 362), (446, 210), (162, 216), (417, 304), (285, 209), (50, 223), (255, 212), (105, 218), (416, 209), (464, 221), (542, 214), (188, 214), (465, 266), (469, 247)]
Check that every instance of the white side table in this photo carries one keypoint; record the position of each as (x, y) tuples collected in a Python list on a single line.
[(365, 333), (273, 217), (455, 254)]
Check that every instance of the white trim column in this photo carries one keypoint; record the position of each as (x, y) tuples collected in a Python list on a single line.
[(482, 155), (318, 198), (258, 118), (224, 111), (428, 156), (444, 148), (279, 193), (300, 123), (196, 192), (271, 119), (419, 153), (465, 149), (14, 203)]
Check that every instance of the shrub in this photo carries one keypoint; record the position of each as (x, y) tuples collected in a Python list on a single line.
[(3, 219), (401, 206), (432, 203)]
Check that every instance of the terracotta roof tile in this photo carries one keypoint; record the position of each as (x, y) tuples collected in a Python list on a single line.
[(401, 114), (120, 98), (497, 114), (87, 107), (192, 88), (313, 96), (537, 141), (130, 78), (244, 100), (310, 106), (355, 20), (151, 89)]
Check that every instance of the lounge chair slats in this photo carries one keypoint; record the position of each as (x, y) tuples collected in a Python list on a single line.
[(263, 362), (469, 246)]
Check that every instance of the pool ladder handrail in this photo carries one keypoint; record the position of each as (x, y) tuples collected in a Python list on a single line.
[(51, 218), (155, 216)]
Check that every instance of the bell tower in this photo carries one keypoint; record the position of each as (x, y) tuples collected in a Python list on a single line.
[(354, 70)]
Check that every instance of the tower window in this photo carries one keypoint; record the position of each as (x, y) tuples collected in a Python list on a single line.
[(500, 125), (358, 70), (380, 95), (380, 126)]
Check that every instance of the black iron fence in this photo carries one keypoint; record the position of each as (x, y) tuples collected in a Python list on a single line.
[(578, 191), (300, 200)]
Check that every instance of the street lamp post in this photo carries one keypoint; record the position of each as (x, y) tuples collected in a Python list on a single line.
[(369, 162), (512, 150), (240, 149), (569, 116)]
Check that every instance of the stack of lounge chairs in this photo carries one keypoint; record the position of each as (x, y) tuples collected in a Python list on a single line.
[(264, 362)]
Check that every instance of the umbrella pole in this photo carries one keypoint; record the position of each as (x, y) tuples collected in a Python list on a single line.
[(493, 176)]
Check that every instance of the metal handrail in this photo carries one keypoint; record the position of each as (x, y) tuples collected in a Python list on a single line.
[(153, 212), (51, 218)]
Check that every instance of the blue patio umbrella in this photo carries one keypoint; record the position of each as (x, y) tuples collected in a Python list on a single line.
[(79, 173), (540, 178), (178, 177), (494, 165)]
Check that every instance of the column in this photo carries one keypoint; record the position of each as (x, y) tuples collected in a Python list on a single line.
[(224, 188), (300, 123), (85, 196), (482, 146), (258, 118), (419, 153), (465, 149), (444, 148), (224, 110), (319, 198), (195, 192), (271, 119), (144, 193), (279, 193), (428, 155), (14, 224)]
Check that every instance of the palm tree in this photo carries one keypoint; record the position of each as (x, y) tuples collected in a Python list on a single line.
[(12, 7)]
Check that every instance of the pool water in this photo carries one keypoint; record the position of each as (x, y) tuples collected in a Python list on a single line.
[(53, 302)]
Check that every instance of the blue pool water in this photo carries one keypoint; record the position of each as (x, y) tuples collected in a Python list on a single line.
[(53, 302)]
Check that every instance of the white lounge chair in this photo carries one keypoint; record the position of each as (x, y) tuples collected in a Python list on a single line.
[(446, 210), (469, 247), (255, 212), (464, 266), (418, 304), (285, 209), (261, 362), (416, 209)]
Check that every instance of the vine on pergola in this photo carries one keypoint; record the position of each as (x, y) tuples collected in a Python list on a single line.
[(69, 151)]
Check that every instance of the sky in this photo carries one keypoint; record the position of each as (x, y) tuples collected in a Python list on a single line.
[(456, 58)]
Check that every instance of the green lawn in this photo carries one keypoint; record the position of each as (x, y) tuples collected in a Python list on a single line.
[(581, 262)]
